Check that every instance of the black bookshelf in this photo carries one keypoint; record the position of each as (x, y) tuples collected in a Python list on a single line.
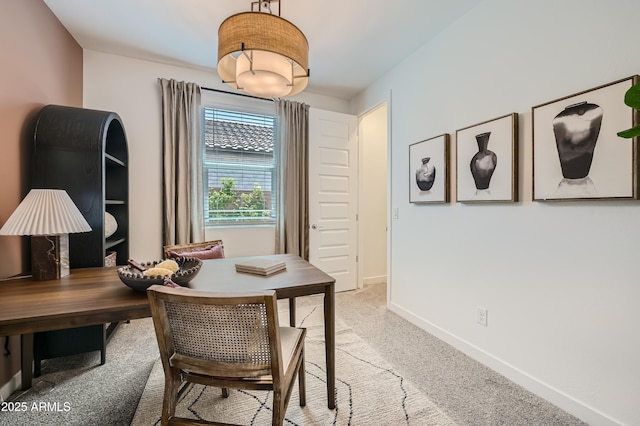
[(84, 152)]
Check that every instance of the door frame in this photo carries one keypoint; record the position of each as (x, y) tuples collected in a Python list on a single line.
[(383, 103)]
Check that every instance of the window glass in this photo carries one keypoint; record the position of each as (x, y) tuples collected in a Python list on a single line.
[(239, 166)]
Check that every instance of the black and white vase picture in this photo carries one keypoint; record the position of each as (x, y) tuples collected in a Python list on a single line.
[(482, 165), (425, 175), (481, 177), (576, 130), (577, 153), (428, 171)]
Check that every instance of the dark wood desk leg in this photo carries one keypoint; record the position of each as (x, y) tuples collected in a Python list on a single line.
[(26, 360), (292, 311), (330, 342)]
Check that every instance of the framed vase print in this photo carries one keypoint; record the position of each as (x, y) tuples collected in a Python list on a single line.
[(577, 154), (429, 170), (487, 161)]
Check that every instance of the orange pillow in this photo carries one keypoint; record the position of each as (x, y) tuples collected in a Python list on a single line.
[(214, 251)]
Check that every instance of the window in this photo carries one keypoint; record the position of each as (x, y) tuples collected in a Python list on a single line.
[(239, 167)]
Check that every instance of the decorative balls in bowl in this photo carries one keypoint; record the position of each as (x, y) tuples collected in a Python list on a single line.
[(140, 276)]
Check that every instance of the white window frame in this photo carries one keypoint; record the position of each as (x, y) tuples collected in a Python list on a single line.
[(218, 100)]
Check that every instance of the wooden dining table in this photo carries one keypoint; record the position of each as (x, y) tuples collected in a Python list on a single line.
[(90, 296)]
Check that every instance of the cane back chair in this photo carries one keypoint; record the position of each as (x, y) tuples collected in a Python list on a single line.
[(227, 340)]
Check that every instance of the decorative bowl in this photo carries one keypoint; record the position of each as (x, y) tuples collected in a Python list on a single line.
[(189, 268)]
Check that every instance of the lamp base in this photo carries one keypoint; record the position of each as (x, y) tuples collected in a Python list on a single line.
[(49, 257)]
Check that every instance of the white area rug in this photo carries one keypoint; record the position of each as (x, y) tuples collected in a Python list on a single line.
[(368, 390)]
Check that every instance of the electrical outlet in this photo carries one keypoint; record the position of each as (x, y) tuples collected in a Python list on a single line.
[(481, 317), (396, 213)]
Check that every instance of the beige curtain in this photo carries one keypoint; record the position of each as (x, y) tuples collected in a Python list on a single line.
[(182, 163), (292, 227)]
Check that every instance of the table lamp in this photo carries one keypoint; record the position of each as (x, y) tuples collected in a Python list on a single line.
[(49, 216)]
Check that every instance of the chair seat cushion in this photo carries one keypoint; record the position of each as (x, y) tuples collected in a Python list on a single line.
[(289, 337)]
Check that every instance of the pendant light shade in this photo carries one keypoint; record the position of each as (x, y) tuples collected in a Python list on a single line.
[(264, 74), (263, 55)]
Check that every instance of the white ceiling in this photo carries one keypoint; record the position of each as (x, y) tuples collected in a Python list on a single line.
[(351, 42)]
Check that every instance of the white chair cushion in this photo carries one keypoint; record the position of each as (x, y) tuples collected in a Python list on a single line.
[(288, 338)]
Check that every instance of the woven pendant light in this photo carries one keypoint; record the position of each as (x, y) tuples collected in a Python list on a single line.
[(263, 54)]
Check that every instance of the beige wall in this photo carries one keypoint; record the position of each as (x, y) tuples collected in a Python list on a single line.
[(42, 64), (130, 87), (372, 207)]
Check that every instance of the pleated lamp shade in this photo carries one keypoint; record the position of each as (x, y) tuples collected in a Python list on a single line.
[(45, 212)]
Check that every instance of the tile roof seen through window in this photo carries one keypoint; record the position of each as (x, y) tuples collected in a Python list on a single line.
[(238, 136)]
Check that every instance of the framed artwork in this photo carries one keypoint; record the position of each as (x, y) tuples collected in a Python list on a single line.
[(429, 170), (577, 154), (487, 161)]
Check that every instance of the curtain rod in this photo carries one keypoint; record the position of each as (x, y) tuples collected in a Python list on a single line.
[(236, 94)]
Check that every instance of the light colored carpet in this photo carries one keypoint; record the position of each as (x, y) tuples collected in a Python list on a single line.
[(368, 390), (78, 391), (468, 392)]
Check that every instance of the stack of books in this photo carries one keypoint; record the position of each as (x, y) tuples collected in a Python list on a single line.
[(261, 266)]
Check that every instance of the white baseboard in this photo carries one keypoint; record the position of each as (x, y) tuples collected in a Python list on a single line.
[(538, 387), (380, 279), (11, 386)]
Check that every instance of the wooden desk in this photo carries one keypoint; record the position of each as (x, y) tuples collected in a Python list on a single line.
[(96, 296), (84, 297)]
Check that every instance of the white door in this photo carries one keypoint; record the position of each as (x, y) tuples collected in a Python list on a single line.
[(333, 195)]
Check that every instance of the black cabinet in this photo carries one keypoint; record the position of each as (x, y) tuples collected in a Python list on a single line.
[(84, 152)]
